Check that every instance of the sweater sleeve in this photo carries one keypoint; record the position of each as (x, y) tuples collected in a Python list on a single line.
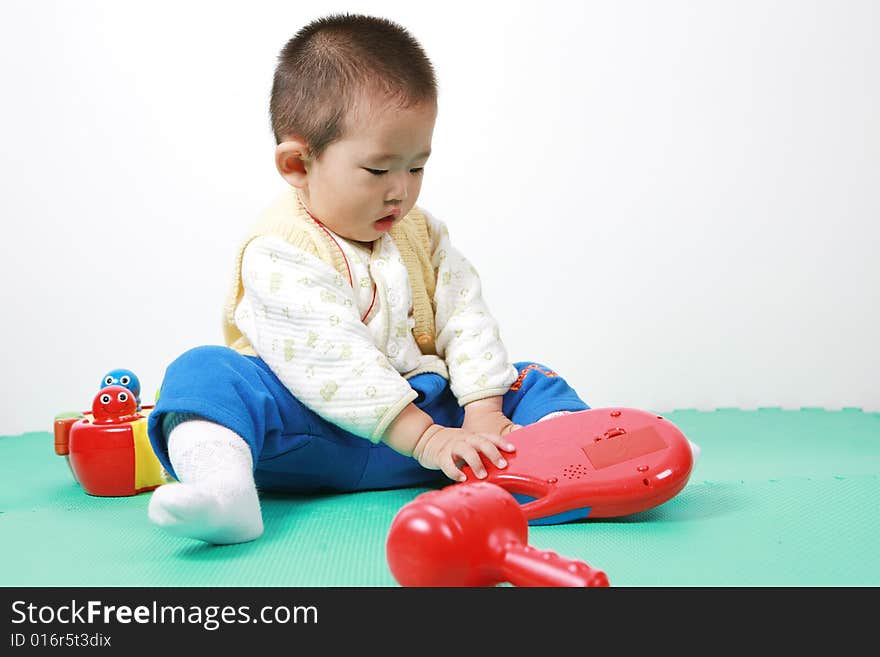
[(468, 337), (302, 320)]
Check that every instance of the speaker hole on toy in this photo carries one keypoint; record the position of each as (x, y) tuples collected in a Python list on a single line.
[(646, 482), (575, 471)]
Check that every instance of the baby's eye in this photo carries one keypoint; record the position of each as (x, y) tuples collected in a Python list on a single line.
[(377, 172), (417, 171)]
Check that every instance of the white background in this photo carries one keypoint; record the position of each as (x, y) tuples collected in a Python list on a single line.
[(673, 204)]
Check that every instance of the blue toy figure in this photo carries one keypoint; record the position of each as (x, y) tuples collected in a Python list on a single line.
[(125, 378)]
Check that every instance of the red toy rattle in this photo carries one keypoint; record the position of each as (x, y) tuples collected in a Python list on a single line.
[(475, 535)]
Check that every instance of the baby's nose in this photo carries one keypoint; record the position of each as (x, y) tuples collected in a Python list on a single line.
[(398, 191)]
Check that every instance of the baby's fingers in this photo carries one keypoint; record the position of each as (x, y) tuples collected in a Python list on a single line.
[(469, 453), (501, 441), (488, 444), (450, 469)]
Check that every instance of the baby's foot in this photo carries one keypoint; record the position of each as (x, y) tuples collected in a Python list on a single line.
[(212, 514), (216, 500)]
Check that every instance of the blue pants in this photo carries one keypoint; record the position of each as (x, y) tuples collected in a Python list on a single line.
[(296, 450)]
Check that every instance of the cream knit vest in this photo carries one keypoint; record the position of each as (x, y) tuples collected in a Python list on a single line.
[(287, 218)]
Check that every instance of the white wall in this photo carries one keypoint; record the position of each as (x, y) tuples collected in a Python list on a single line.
[(675, 204)]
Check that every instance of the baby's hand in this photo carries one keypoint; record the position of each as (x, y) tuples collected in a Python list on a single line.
[(486, 417), (446, 449), (493, 422)]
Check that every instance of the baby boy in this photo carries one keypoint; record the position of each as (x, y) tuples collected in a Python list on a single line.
[(359, 351)]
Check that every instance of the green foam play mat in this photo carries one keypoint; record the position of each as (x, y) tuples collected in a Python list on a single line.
[(777, 498)]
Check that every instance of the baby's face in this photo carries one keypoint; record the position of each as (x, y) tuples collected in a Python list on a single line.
[(368, 180)]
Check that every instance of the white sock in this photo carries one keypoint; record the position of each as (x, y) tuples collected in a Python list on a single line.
[(216, 500), (553, 414)]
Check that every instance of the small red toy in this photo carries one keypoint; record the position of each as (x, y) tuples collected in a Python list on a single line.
[(601, 463), (114, 404), (108, 449), (475, 534)]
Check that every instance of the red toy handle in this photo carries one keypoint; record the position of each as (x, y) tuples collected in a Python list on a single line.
[(543, 505), (525, 565)]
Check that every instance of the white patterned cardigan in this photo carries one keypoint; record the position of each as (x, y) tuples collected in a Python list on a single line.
[(346, 353)]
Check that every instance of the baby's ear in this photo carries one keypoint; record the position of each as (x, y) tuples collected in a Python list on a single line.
[(291, 157)]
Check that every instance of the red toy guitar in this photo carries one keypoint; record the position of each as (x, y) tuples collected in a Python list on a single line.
[(601, 463)]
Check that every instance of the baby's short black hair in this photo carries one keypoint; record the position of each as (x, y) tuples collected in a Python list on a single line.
[(328, 64)]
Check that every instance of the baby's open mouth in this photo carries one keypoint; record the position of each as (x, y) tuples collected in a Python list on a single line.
[(385, 222)]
